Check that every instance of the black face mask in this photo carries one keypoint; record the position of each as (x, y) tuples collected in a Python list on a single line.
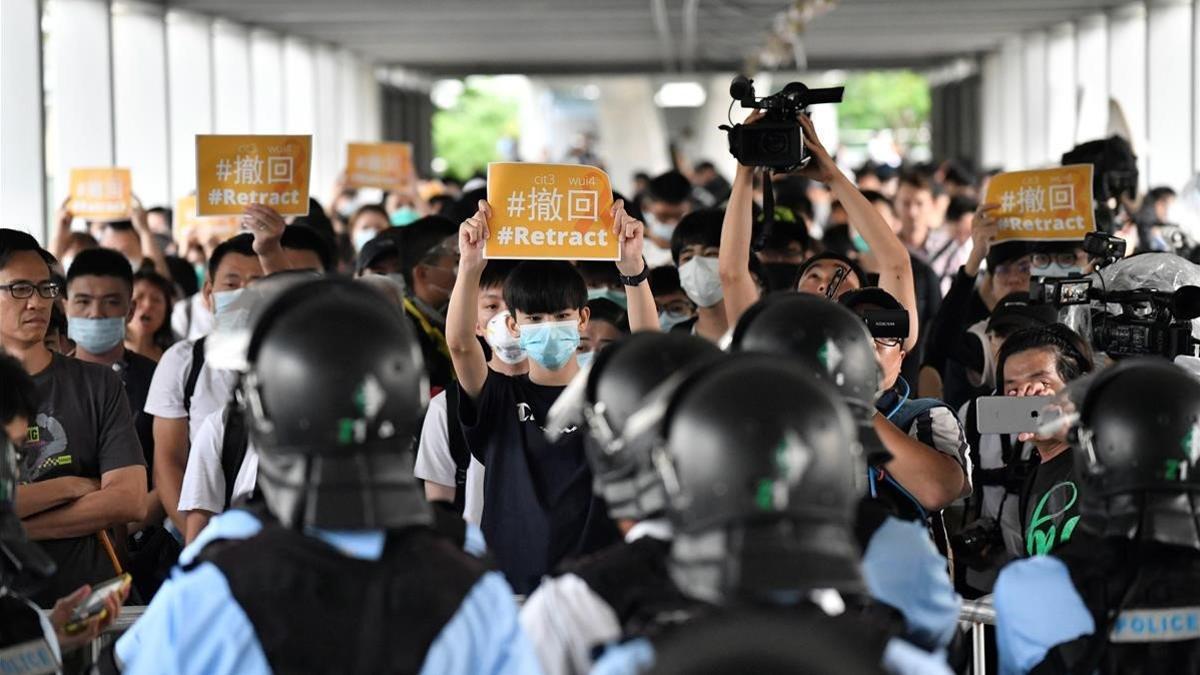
[(780, 277)]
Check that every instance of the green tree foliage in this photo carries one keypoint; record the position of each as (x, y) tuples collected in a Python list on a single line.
[(896, 99), (466, 135)]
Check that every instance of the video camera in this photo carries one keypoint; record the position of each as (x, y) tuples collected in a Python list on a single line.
[(1150, 323), (777, 141)]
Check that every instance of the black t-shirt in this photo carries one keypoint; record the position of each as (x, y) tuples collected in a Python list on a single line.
[(1050, 509), (83, 428), (136, 372), (538, 503)]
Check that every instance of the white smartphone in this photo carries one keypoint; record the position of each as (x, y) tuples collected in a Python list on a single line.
[(1010, 414)]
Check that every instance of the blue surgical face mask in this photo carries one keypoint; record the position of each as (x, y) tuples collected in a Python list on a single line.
[(552, 344), (860, 244), (668, 320), (96, 336), (201, 271), (405, 215), (585, 358), (609, 294), (362, 237), (658, 228), (222, 300)]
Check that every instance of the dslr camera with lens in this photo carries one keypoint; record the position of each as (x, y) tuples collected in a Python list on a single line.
[(777, 141)]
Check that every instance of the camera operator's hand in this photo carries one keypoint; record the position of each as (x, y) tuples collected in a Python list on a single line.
[(984, 228), (821, 166)]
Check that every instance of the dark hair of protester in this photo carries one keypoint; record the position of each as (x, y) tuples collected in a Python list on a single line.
[(242, 244), (603, 309), (1073, 354), (671, 187), (419, 240), (164, 337), (183, 275), (442, 205), (599, 273), (18, 395), (920, 181), (120, 225), (13, 241), (301, 238), (957, 173), (876, 197), (1156, 195), (959, 207), (365, 209), (80, 241), (544, 287), (167, 214), (58, 320), (785, 231), (467, 205), (495, 273), (830, 255), (701, 227), (101, 262), (664, 280)]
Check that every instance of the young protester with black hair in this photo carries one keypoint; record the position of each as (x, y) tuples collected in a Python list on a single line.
[(607, 323), (695, 250), (668, 200), (893, 263), (81, 465), (673, 305), (99, 302), (539, 507)]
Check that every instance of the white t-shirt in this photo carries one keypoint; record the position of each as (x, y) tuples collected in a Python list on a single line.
[(203, 480), (165, 398), (435, 463), (190, 319)]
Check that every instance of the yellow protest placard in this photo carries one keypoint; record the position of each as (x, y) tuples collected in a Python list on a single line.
[(233, 172), (205, 230), (387, 166), (101, 194), (1047, 204), (550, 212)]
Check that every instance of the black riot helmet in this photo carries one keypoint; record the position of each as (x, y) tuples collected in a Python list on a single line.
[(1139, 436), (621, 377), (828, 339), (759, 470), (334, 396)]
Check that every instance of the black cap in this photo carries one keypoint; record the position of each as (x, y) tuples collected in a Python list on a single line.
[(872, 295), (381, 246), (1015, 312), (1005, 251)]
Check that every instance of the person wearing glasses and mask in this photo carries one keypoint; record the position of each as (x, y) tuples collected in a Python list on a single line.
[(81, 469)]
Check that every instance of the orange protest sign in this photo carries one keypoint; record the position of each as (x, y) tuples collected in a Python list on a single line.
[(550, 212), (202, 229), (387, 166), (1047, 204), (233, 172), (101, 194)]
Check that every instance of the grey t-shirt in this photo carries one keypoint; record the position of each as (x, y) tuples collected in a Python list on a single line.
[(83, 428)]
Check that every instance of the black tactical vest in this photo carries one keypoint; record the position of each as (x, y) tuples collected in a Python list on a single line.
[(315, 610), (1157, 591)]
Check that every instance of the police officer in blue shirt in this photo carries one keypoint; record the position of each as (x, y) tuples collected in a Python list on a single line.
[(343, 571), (1122, 595), (900, 565), (759, 468)]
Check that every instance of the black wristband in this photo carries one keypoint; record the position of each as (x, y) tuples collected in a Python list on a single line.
[(639, 278)]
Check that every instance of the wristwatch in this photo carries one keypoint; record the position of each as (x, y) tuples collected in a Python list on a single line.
[(639, 278)]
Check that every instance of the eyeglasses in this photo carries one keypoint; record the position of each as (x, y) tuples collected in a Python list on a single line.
[(22, 290), (888, 343), (1045, 259), (1014, 269)]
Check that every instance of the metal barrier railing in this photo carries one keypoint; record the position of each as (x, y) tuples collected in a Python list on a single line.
[(977, 613)]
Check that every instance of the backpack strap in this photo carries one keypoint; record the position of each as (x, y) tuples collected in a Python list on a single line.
[(189, 386), (234, 443), (459, 452)]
